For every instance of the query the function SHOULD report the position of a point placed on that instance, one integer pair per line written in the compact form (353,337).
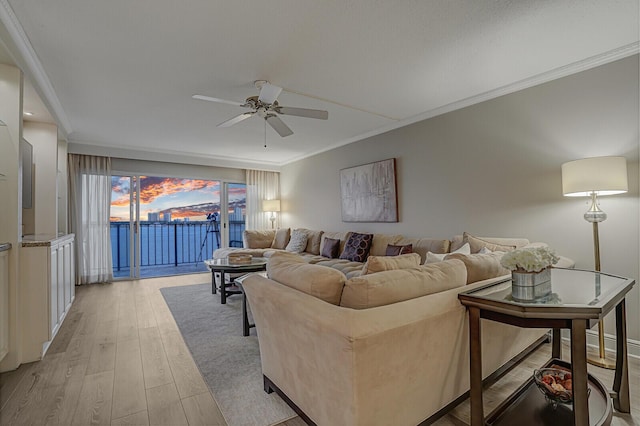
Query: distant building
(166,217)
(237,215)
(153,217)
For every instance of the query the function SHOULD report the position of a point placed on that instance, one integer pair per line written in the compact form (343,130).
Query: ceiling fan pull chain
(265,132)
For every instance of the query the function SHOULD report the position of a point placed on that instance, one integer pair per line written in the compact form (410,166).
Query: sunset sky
(159,194)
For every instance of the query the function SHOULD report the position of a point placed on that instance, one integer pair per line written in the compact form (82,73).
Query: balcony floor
(162,270)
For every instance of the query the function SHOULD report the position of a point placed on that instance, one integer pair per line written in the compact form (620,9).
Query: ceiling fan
(266,106)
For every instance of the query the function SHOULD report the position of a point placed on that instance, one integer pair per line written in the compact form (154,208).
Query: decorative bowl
(239,259)
(555,383)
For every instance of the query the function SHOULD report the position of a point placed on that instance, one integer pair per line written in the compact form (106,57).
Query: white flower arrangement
(529,259)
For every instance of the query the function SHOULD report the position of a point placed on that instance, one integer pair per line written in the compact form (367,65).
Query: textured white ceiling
(124,71)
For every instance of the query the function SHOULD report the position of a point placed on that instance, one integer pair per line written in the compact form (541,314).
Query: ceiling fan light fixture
(266,106)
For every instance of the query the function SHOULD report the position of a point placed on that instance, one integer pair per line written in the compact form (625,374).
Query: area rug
(228,361)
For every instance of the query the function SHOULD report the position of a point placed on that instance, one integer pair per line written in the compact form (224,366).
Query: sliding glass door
(235,197)
(124,229)
(166,226)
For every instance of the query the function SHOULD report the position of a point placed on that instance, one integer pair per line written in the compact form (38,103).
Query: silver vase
(529,286)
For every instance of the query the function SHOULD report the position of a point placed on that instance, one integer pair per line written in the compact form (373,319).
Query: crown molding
(30,65)
(169,156)
(564,71)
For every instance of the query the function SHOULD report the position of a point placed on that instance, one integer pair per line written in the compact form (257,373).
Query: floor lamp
(272,206)
(593,177)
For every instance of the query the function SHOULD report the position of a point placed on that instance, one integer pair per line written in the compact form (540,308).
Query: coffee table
(224,267)
(578,301)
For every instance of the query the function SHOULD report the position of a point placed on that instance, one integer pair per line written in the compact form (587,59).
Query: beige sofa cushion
(319,281)
(424,245)
(481,266)
(281,239)
(459,240)
(258,238)
(478,244)
(384,288)
(313,240)
(387,263)
(380,242)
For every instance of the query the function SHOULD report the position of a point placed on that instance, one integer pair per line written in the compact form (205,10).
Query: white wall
(493,169)
(62,186)
(10,195)
(44,138)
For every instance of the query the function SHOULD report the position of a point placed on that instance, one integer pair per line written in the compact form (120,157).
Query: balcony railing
(171,243)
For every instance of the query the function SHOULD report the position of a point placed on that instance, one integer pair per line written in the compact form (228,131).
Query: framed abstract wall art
(369,192)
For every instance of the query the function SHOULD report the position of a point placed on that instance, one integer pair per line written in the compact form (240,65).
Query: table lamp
(272,206)
(591,177)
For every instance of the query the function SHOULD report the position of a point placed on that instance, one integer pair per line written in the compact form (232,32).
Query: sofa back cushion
(313,240)
(281,238)
(380,243)
(424,245)
(480,266)
(478,242)
(258,238)
(387,263)
(384,288)
(319,281)
(439,257)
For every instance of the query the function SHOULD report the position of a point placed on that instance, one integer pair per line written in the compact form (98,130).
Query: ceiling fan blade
(304,112)
(269,93)
(236,119)
(221,101)
(278,125)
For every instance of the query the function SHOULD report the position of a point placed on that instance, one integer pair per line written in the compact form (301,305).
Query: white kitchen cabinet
(47,277)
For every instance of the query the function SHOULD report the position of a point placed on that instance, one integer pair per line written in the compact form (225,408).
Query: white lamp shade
(602,175)
(270,205)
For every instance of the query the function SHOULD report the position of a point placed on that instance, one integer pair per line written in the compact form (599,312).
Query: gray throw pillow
(298,242)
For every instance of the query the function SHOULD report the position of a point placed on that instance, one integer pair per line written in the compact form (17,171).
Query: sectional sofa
(264,243)
(380,342)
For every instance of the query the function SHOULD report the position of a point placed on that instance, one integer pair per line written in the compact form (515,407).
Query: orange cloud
(123,200)
(154,187)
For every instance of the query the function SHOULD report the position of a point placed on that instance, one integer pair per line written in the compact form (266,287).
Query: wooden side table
(578,301)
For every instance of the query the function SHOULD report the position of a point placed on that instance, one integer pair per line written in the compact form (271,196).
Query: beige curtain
(261,185)
(89,209)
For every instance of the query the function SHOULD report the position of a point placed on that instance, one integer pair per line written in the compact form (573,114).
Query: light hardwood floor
(119,359)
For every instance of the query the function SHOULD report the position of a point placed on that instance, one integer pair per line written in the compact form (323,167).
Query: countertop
(5,246)
(43,240)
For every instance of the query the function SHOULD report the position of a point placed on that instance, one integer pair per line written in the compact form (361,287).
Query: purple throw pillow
(398,250)
(357,247)
(331,248)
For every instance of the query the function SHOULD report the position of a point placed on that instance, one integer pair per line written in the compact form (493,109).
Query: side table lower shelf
(528,406)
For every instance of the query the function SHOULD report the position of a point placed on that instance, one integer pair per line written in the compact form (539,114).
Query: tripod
(213,226)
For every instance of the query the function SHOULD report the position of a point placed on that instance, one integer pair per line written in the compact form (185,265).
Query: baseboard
(633,346)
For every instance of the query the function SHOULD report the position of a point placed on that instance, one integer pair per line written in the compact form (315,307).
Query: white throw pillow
(439,257)
(297,242)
